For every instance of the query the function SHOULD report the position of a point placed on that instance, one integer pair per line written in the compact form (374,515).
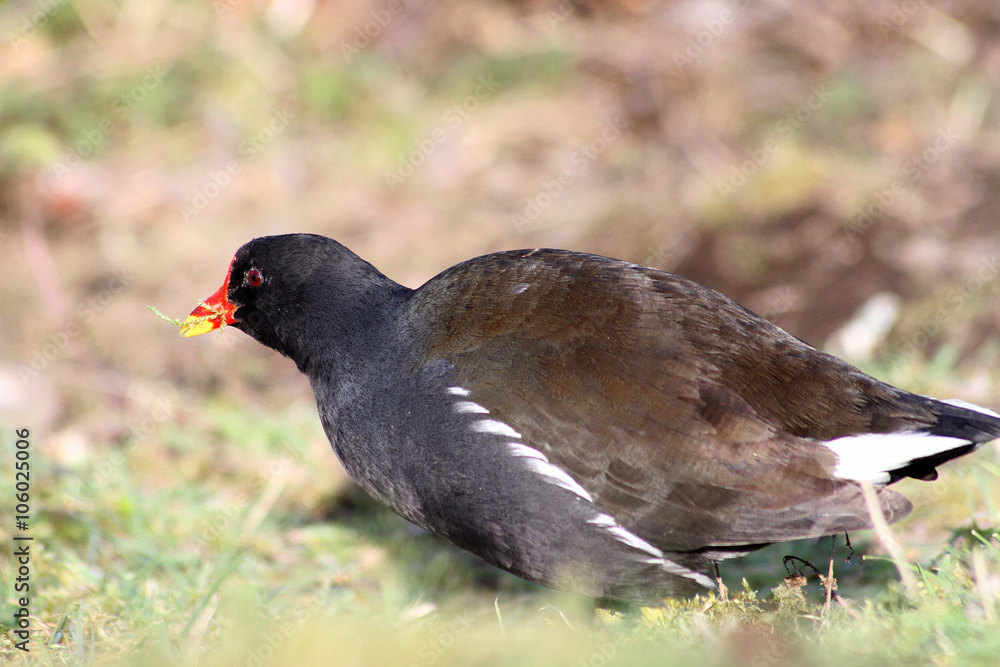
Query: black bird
(583,422)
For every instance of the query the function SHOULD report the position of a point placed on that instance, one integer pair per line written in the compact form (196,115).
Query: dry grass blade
(888,542)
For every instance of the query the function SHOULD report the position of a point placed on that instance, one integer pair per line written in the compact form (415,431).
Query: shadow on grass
(431,568)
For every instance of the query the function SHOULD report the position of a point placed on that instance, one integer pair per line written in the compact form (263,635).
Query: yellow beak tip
(195,326)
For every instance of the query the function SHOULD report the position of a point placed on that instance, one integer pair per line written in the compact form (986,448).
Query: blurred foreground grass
(258,559)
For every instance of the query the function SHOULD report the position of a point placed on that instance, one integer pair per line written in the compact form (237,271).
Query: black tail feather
(953,421)
(960,422)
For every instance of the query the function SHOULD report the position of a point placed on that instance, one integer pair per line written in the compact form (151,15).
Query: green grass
(226,542)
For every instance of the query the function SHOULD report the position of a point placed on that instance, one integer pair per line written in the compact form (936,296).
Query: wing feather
(693,422)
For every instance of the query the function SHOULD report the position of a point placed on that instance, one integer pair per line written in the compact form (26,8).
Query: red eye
(255,277)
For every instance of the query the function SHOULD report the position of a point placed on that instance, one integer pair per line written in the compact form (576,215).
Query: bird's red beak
(213,313)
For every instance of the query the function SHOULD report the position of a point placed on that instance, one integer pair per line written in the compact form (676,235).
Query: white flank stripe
(675,568)
(624,535)
(559,477)
(959,403)
(458,391)
(517,449)
(605,520)
(873,455)
(539,462)
(494,427)
(470,406)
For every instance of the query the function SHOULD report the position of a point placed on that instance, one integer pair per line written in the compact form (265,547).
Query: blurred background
(831,166)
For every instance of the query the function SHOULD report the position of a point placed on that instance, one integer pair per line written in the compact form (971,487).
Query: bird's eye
(255,277)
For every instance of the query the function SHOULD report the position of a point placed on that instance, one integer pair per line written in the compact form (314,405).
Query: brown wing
(688,419)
